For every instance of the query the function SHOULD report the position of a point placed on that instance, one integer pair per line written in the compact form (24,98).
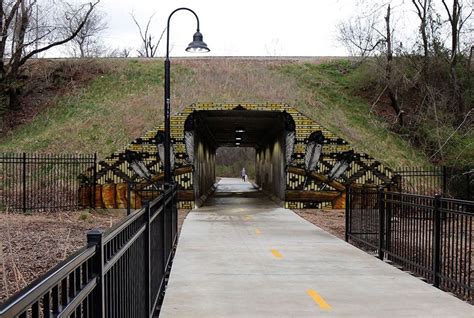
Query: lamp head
(197,45)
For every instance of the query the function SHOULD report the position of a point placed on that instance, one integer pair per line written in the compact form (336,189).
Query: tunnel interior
(262,130)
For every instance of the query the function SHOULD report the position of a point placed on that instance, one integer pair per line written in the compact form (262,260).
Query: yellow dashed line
(277,254)
(258,232)
(247,217)
(318,299)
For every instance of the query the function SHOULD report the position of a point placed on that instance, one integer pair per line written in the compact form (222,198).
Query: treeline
(31,29)
(230,161)
(422,82)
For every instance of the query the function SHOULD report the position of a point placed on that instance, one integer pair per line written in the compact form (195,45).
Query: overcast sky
(245,27)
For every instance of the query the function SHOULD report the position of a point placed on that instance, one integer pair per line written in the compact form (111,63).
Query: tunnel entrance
(297,161)
(264,131)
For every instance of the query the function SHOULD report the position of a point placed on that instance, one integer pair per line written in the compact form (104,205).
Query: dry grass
(331,221)
(126,101)
(30,245)
(230,80)
(33,244)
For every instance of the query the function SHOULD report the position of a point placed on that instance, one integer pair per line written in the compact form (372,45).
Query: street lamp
(197,46)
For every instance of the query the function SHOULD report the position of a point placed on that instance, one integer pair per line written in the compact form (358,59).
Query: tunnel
(263,130)
(298,162)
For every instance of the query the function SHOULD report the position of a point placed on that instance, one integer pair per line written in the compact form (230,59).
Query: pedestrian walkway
(243,256)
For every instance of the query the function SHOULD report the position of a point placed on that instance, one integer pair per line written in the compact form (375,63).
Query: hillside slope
(126,99)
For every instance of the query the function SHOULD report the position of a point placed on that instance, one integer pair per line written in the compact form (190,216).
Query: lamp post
(198,46)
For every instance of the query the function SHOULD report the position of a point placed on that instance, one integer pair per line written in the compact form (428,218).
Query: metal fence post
(129,198)
(164,230)
(437,241)
(94,181)
(445,181)
(148,258)
(388,217)
(381,205)
(176,214)
(95,237)
(347,214)
(24,182)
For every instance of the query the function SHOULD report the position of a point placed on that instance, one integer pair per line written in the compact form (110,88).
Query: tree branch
(63,41)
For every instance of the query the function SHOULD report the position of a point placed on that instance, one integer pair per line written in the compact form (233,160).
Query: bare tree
(119,52)
(359,35)
(391,89)
(423,8)
(87,42)
(149,44)
(456,21)
(23,37)
(125,52)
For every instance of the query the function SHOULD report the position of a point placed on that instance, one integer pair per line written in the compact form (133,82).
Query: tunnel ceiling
(221,127)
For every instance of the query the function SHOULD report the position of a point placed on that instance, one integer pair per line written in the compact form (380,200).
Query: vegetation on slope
(126,99)
(331,102)
(103,116)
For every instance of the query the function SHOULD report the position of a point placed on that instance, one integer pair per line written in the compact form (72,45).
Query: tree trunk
(14,98)
(388,72)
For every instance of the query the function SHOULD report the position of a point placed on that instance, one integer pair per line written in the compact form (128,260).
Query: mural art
(319,164)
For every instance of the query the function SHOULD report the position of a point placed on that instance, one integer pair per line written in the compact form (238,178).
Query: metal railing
(43,182)
(449,181)
(120,273)
(429,236)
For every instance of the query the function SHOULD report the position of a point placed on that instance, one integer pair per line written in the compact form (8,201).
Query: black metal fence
(429,236)
(454,182)
(43,181)
(121,273)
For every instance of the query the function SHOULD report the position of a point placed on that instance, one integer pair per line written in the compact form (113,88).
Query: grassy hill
(113,101)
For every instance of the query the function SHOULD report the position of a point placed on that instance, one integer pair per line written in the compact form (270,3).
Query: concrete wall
(270,172)
(204,167)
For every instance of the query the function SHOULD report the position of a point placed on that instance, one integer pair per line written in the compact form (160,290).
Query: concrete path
(242,256)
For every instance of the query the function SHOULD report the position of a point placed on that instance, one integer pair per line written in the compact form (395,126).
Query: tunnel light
(238,138)
(237,143)
(240,131)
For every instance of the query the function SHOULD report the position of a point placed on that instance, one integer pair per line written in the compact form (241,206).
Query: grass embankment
(126,101)
(102,117)
(332,101)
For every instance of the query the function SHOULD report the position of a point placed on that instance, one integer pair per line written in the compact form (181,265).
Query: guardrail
(120,273)
(431,237)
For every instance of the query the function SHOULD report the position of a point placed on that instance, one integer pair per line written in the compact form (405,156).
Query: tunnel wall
(270,173)
(204,168)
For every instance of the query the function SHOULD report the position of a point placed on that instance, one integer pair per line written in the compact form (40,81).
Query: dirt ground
(32,244)
(331,221)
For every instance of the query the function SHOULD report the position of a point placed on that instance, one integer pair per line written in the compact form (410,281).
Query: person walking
(243,174)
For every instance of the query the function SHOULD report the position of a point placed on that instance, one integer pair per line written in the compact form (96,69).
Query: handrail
(80,278)
(69,309)
(117,229)
(435,246)
(122,250)
(43,284)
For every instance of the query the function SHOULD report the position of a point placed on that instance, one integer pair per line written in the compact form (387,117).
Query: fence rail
(43,182)
(120,273)
(429,236)
(452,182)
